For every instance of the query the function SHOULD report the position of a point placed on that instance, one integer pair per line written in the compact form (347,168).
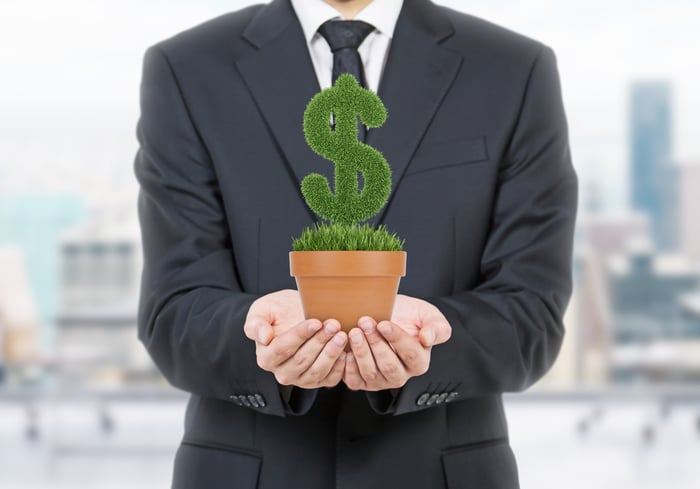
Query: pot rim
(347,263)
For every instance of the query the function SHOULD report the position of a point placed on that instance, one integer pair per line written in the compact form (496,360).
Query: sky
(71,70)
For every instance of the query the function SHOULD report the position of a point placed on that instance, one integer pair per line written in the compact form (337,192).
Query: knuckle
(303,333)
(389,368)
(314,375)
(424,366)
(263,363)
(330,354)
(248,331)
(321,337)
(282,378)
(418,369)
(370,376)
(300,360)
(281,351)
(330,380)
(374,338)
(410,357)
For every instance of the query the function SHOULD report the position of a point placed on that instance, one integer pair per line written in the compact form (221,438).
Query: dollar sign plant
(346,100)
(348,205)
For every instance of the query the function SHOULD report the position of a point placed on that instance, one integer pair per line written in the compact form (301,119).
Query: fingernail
(350,358)
(331,327)
(261,334)
(430,337)
(356,338)
(367,325)
(384,329)
(339,339)
(314,326)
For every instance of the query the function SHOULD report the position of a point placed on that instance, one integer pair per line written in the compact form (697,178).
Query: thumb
(434,331)
(258,329)
(427,335)
(264,334)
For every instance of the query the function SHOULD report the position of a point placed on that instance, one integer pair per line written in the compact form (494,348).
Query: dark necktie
(344,37)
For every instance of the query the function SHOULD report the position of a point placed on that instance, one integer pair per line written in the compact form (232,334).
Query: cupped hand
(388,354)
(420,317)
(300,352)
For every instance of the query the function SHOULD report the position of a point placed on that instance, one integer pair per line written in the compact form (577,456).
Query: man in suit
(484,194)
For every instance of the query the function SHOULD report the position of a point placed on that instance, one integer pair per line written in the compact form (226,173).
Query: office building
(653,178)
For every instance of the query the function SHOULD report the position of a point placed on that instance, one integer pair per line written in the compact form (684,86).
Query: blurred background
(81,405)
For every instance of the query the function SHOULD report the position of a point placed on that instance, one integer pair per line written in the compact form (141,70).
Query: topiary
(348,206)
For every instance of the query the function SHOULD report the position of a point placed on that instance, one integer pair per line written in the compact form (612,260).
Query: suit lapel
(282,80)
(416,78)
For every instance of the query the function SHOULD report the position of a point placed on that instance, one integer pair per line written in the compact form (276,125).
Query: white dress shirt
(382,14)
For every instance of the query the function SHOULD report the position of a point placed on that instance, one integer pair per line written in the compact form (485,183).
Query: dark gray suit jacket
(484,194)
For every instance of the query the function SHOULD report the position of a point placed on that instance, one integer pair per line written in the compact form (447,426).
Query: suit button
(441,398)
(235,400)
(452,396)
(261,400)
(244,400)
(253,400)
(423,399)
(432,400)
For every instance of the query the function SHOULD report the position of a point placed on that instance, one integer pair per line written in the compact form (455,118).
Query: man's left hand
(386,355)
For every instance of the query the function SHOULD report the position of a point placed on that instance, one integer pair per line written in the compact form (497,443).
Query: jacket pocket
(206,466)
(484,465)
(436,155)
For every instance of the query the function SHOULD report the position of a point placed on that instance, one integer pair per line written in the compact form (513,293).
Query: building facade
(653,176)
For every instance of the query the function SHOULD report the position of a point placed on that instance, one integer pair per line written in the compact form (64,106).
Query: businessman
(484,194)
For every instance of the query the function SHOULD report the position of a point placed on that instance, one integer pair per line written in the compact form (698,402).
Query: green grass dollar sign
(348,206)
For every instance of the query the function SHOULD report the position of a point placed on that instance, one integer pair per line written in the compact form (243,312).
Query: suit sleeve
(191,307)
(507,331)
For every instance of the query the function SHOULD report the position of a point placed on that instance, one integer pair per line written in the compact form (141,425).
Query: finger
(434,331)
(336,373)
(412,354)
(305,356)
(352,377)
(283,347)
(258,329)
(265,334)
(363,357)
(331,327)
(388,364)
(325,360)
(387,361)
(307,353)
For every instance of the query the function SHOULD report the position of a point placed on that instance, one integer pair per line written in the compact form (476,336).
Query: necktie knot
(344,37)
(345,34)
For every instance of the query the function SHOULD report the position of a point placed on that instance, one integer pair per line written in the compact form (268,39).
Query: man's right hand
(298,351)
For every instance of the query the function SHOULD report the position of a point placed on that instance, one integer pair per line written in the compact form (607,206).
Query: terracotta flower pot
(346,285)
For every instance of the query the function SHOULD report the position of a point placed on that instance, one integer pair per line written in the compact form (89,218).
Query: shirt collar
(382,14)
